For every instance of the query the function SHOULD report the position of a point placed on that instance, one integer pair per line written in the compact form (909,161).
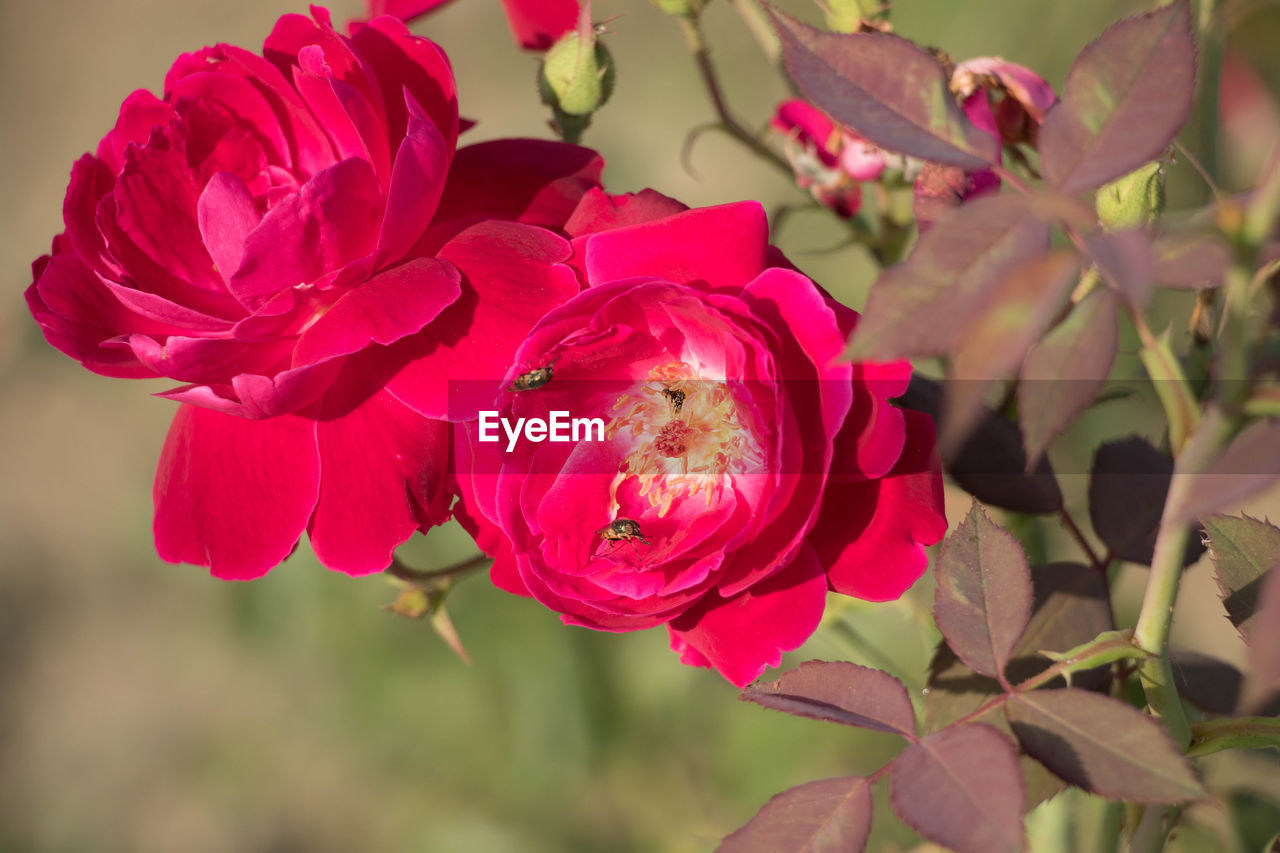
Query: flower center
(689,437)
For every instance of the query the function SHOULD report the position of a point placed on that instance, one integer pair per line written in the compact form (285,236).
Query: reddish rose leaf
(1243,550)
(826,816)
(1189,260)
(1125,260)
(1249,464)
(991,464)
(1072,605)
(839,692)
(961,788)
(983,599)
(886,89)
(1021,305)
(1264,646)
(1127,489)
(1102,745)
(920,307)
(1125,98)
(1063,373)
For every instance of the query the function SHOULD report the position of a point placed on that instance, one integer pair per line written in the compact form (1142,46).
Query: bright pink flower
(535,24)
(293,237)
(745,469)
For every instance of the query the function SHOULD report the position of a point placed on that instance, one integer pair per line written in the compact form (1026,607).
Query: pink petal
(256,396)
(155,207)
(505,574)
(214,105)
(538,24)
(1024,85)
(417,180)
(602,211)
(402,62)
(382,476)
(233,494)
(227,215)
(91,181)
(382,310)
(871,534)
(140,113)
(512,275)
(729,250)
(862,161)
(306,149)
(405,10)
(528,180)
(331,222)
(319,86)
(77,314)
(742,635)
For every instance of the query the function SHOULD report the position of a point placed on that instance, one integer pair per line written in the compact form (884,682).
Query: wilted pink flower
(743,471)
(292,236)
(829,160)
(1007,101)
(1017,96)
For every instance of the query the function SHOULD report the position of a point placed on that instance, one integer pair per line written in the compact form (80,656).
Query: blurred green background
(146,707)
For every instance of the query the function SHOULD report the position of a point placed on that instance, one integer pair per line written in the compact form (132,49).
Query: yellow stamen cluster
(687,448)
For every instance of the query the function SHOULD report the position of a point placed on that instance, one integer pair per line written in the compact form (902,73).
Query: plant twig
(411,575)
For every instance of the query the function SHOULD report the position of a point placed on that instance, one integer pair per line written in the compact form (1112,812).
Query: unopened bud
(1132,201)
(576,77)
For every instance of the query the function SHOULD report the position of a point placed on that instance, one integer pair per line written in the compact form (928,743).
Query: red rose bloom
(293,237)
(743,469)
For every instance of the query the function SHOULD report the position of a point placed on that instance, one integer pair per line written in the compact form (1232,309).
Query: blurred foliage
(145,707)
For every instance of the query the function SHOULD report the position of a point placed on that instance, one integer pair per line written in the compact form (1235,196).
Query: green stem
(1211,40)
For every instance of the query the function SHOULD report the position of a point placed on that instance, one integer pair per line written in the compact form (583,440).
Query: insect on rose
(534,379)
(623,530)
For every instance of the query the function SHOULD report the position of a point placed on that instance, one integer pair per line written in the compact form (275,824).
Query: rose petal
(233,494)
(382,476)
(332,221)
(417,180)
(512,275)
(729,249)
(528,180)
(382,310)
(538,24)
(742,635)
(602,211)
(871,534)
(227,215)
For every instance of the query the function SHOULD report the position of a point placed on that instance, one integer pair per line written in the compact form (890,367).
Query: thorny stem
(411,575)
(1215,430)
(694,38)
(1076,533)
(692,27)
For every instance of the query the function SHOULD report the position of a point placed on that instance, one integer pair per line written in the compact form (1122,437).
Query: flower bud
(576,76)
(1132,201)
